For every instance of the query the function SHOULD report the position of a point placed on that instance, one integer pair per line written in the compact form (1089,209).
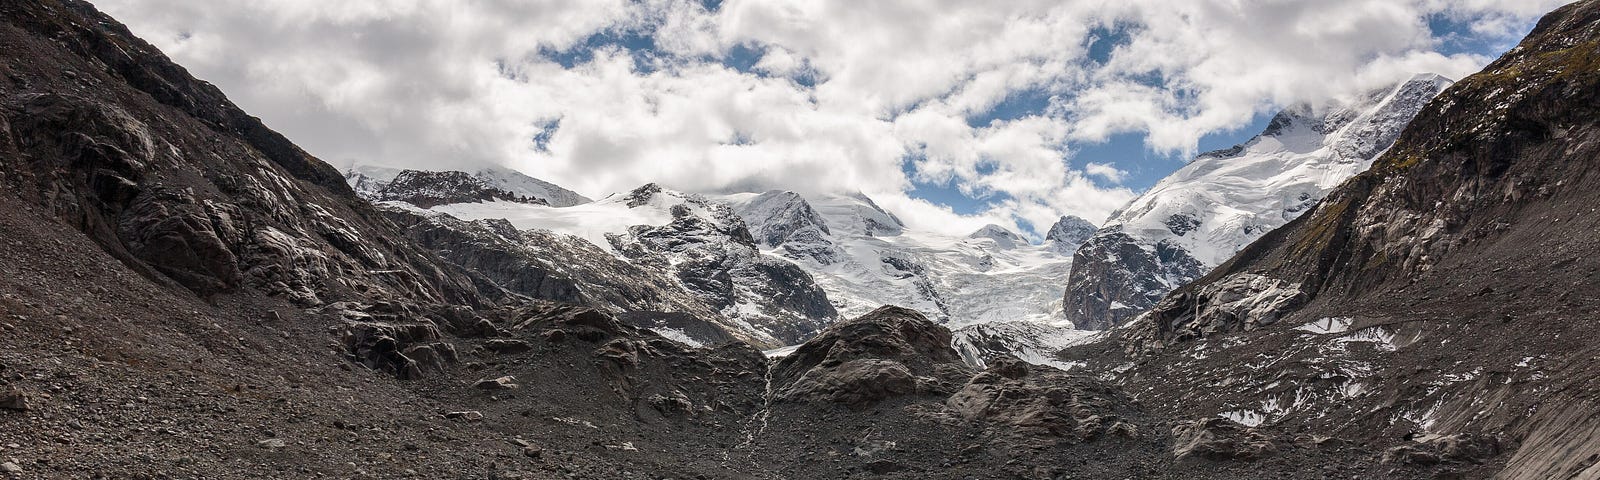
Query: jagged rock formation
(1439,306)
(1196,218)
(545,265)
(429,188)
(173,180)
(707,246)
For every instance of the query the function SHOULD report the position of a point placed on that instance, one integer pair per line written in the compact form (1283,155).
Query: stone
(10,467)
(272,443)
(12,398)
(890,352)
(502,383)
(856,383)
(1219,439)
(1435,449)
(469,415)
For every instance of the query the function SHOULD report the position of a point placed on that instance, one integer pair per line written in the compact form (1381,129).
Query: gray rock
(12,398)
(1219,439)
(502,383)
(272,443)
(888,353)
(470,415)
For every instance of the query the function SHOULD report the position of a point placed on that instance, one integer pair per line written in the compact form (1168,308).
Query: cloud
(808,95)
(1106,171)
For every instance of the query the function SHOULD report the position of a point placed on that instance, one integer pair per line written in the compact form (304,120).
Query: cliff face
(1446,293)
(171,178)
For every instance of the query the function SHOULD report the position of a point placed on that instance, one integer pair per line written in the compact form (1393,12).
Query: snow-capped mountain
(1069,233)
(771,267)
(1201,215)
(865,257)
(494,183)
(701,244)
(547,265)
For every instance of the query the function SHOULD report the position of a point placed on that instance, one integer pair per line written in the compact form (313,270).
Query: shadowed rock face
(175,181)
(1114,278)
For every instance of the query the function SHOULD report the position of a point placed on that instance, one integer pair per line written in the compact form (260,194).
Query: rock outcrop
(887,353)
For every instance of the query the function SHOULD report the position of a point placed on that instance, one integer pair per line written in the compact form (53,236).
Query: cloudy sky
(951,113)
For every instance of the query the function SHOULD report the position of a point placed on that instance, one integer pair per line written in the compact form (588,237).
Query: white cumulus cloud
(807,95)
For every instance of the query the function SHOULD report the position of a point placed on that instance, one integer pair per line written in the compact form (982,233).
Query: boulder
(12,398)
(1219,439)
(1043,404)
(500,383)
(887,353)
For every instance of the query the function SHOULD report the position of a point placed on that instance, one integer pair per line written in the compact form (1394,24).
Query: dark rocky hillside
(1440,306)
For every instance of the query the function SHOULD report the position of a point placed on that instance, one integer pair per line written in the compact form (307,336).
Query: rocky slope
(1439,306)
(1196,218)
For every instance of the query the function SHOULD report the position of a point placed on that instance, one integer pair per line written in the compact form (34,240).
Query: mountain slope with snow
(865,257)
(699,243)
(372,181)
(1199,216)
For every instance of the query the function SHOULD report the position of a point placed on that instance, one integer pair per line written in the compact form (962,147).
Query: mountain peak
(370,181)
(1005,238)
(521,184)
(1069,232)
